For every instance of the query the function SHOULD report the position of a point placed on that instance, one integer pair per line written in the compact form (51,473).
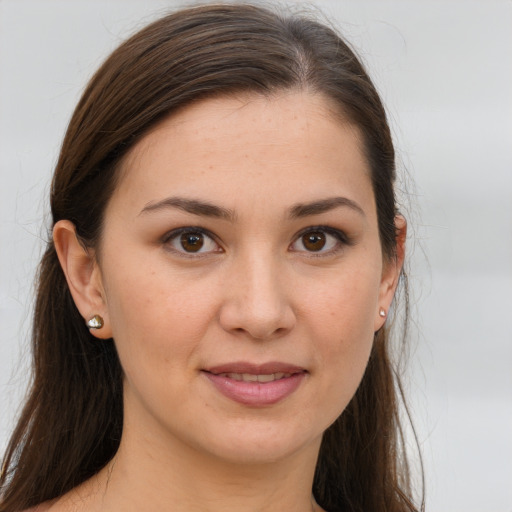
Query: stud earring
(382,312)
(95,322)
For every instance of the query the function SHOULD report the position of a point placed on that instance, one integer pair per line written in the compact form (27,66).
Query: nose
(257,299)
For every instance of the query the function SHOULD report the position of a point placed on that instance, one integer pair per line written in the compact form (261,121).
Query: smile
(256,385)
(249,377)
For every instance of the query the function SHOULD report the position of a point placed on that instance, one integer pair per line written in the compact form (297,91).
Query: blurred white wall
(444,70)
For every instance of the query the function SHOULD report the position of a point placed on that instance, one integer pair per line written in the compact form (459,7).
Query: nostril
(259,312)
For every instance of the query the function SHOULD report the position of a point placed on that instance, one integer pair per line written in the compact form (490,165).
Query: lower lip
(256,394)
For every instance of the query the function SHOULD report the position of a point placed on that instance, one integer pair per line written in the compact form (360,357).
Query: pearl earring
(95,322)
(382,312)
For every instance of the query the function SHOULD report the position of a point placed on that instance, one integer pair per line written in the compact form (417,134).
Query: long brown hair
(71,424)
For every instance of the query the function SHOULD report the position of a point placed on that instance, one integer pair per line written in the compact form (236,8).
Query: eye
(191,241)
(319,240)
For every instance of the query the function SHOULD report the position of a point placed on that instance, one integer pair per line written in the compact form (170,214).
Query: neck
(149,475)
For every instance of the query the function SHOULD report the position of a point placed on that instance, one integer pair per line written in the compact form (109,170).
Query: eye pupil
(314,241)
(192,242)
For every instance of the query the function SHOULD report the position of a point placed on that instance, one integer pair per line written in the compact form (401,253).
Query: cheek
(344,339)
(344,306)
(157,319)
(342,322)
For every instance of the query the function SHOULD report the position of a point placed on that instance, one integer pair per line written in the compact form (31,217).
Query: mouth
(256,385)
(250,377)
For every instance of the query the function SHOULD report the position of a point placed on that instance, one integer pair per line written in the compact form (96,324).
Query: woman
(210,326)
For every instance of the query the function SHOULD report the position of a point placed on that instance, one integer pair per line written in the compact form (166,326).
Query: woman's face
(242,275)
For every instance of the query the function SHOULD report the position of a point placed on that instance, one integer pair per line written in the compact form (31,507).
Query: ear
(82,275)
(391,273)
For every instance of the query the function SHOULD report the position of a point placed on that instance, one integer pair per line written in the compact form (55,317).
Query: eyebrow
(324,205)
(192,206)
(205,209)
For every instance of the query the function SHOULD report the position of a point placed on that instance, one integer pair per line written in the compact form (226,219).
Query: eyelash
(341,240)
(191,230)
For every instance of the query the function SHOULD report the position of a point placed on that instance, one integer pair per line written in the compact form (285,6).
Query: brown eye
(192,242)
(314,241)
(320,240)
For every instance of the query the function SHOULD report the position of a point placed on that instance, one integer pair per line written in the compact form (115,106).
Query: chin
(262,442)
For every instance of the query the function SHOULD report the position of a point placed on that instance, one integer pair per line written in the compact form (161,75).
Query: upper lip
(255,369)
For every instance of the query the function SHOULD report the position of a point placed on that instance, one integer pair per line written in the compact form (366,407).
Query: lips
(242,367)
(249,377)
(256,385)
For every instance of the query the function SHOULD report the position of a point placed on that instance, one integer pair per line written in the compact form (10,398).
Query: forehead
(286,147)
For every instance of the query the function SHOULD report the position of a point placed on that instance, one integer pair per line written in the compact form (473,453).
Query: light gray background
(444,71)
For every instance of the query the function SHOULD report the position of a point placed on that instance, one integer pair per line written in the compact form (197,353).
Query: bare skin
(243,229)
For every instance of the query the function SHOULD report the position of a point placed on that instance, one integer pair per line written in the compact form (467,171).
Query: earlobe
(391,273)
(82,275)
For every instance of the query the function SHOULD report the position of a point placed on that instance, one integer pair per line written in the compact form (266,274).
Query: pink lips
(256,385)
